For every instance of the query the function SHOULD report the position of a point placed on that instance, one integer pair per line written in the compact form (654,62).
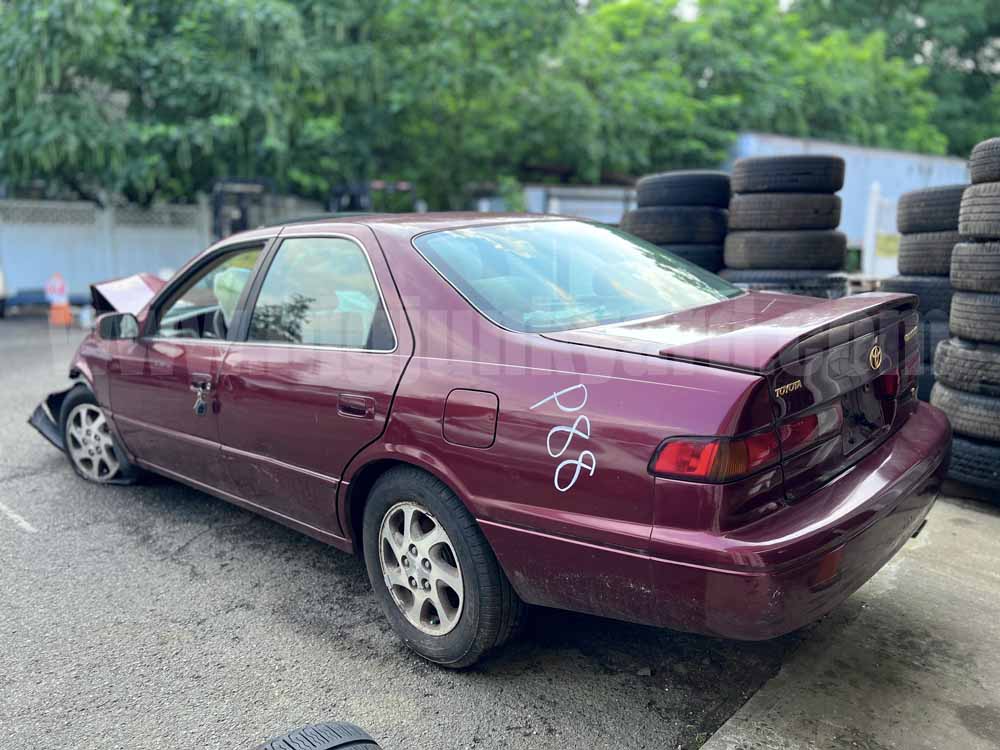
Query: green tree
(955,41)
(786,80)
(61,116)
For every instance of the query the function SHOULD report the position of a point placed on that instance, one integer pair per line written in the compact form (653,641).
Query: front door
(164,385)
(313,380)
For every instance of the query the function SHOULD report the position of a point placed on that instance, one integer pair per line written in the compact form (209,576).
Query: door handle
(359,407)
(202,387)
(201,383)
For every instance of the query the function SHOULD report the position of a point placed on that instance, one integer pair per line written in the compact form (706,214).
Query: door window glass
(204,306)
(319,291)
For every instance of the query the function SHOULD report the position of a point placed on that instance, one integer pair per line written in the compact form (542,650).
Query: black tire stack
(683,212)
(927,221)
(967,366)
(782,225)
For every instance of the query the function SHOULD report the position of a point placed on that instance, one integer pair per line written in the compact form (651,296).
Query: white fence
(86,244)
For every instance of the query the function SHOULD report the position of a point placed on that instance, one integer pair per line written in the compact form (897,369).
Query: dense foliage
(157,99)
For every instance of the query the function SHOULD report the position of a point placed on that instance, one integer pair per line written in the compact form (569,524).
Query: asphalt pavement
(158,617)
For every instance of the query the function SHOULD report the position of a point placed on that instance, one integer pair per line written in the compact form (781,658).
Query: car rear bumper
(793,567)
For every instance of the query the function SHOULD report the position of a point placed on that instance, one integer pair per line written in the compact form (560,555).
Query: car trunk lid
(840,373)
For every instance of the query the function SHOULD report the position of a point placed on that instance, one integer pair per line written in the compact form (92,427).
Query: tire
(328,736)
(934,291)
(980,214)
(975,462)
(806,283)
(708,257)
(930,210)
(975,266)
(976,316)
(92,444)
(684,188)
(927,254)
(489,611)
(984,162)
(970,414)
(3,309)
(788,174)
(820,249)
(677,225)
(784,211)
(969,366)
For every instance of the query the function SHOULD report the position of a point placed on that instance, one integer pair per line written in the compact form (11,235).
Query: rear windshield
(555,275)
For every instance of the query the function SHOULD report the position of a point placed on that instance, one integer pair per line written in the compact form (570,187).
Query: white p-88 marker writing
(569,401)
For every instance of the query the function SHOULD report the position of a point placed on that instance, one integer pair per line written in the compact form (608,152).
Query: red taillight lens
(716,459)
(687,457)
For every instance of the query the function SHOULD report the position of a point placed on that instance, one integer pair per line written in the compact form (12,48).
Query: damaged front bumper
(45,418)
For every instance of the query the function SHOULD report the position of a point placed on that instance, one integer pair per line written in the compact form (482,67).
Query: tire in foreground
(337,735)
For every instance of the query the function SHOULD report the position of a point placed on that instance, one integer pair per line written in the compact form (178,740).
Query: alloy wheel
(90,445)
(421,568)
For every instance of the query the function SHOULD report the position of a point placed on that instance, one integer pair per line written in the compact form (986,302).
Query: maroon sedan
(499,410)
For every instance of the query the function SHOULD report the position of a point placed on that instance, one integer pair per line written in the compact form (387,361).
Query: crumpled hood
(128,294)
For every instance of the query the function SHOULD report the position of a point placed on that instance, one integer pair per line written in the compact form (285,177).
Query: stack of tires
(782,221)
(927,221)
(967,366)
(683,212)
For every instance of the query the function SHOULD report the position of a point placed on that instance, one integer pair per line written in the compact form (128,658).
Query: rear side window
(320,291)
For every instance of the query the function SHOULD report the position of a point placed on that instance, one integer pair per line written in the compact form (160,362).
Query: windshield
(555,275)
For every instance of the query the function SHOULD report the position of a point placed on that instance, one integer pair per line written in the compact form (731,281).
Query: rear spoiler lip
(884,300)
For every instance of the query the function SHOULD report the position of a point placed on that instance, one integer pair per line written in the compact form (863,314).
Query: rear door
(312,377)
(163,386)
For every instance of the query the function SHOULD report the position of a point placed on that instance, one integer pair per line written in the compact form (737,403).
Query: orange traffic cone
(60,315)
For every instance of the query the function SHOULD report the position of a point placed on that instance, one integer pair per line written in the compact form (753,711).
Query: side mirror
(117,326)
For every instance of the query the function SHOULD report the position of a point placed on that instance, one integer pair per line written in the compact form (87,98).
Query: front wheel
(433,572)
(90,444)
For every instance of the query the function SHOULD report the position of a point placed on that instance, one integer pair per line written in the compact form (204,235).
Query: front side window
(557,275)
(320,291)
(203,308)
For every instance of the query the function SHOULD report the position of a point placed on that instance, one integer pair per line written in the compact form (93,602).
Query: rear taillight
(715,459)
(719,459)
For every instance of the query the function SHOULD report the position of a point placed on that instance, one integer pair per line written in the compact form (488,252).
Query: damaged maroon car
(496,411)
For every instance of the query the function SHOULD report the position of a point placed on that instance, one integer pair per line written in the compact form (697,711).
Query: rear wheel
(433,572)
(90,445)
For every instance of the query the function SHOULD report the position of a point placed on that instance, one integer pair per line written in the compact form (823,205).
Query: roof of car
(418,223)
(403,225)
